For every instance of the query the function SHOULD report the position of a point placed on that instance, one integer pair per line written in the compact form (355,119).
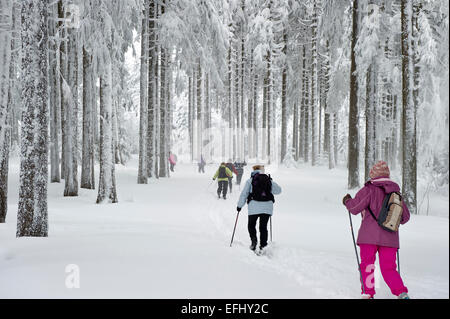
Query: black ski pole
(234,230)
(356,252)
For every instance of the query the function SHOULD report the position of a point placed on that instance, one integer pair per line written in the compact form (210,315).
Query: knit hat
(380,169)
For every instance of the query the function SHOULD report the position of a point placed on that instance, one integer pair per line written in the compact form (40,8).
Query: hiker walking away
(372,238)
(258,193)
(240,171)
(231,167)
(201,165)
(222,175)
(172,161)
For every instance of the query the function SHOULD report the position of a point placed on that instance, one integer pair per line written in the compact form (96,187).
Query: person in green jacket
(222,175)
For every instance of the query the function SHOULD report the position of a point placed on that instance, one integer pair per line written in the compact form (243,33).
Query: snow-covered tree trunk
(87,165)
(295,131)
(107,185)
(144,156)
(236,98)
(313,101)
(163,107)
(70,119)
(371,120)
(32,217)
(6,26)
(191,116)
(265,112)
(283,101)
(255,116)
(54,98)
(151,91)
(269,107)
(229,99)
(199,150)
(353,125)
(303,108)
(306,111)
(409,163)
(250,106)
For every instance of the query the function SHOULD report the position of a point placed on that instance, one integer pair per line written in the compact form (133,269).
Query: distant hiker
(231,167)
(372,238)
(222,175)
(258,193)
(172,161)
(201,165)
(240,171)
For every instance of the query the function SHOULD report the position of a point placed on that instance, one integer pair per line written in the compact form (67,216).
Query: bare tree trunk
(314,137)
(87,165)
(199,111)
(144,154)
(107,185)
(371,133)
(409,165)
(32,217)
(152,79)
(162,107)
(54,100)
(70,119)
(353,131)
(283,103)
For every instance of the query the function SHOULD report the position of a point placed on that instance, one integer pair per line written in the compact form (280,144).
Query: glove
(346,198)
(238,209)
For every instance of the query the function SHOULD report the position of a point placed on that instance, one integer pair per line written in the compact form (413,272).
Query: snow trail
(171,239)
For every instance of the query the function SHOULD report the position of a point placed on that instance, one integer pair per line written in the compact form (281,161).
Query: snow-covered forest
(95,96)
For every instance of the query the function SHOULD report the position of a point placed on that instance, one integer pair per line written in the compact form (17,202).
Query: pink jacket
(172,159)
(372,194)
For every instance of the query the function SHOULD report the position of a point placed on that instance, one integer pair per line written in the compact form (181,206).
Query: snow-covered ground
(170,239)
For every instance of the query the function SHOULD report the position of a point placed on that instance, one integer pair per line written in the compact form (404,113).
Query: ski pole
(356,252)
(234,230)
(398,258)
(270,228)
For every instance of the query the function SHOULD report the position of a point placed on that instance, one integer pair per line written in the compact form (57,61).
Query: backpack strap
(371,213)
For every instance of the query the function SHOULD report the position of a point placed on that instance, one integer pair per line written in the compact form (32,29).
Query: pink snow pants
(388,268)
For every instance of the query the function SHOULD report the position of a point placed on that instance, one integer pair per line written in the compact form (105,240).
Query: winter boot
(366,296)
(253,245)
(403,295)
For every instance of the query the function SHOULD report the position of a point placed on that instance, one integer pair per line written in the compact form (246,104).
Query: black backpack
(222,172)
(261,189)
(390,213)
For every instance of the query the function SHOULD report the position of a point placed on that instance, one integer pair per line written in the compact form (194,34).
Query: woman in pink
(172,161)
(371,237)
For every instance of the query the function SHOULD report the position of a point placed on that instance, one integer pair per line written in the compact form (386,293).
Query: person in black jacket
(240,171)
(231,167)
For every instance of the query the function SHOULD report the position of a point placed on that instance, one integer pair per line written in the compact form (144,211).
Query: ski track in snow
(171,238)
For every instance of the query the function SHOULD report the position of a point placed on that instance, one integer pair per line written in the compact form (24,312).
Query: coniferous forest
(97,95)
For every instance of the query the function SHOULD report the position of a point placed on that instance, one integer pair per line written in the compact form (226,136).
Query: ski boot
(403,295)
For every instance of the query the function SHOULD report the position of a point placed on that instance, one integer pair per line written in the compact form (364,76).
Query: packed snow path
(170,239)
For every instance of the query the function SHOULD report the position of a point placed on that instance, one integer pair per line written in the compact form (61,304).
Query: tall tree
(32,217)
(353,131)
(409,163)
(143,170)
(6,43)
(87,165)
